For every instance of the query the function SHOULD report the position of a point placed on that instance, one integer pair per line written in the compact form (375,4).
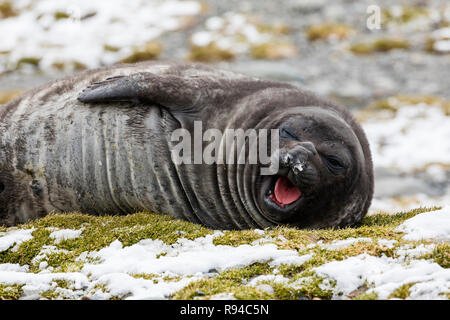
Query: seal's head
(325,176)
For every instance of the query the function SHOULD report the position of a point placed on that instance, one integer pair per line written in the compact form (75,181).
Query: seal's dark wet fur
(99,143)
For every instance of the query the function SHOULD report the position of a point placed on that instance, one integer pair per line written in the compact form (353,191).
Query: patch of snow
(267,278)
(291,260)
(339,244)
(394,142)
(267,239)
(441,33)
(185,257)
(35,283)
(386,275)
(65,234)
(414,201)
(411,251)
(114,266)
(223,296)
(13,267)
(428,225)
(442,45)
(14,237)
(214,23)
(122,284)
(259,232)
(202,38)
(387,243)
(229,30)
(265,288)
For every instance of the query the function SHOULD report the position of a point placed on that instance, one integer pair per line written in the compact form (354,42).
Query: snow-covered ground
(113,271)
(415,145)
(86,32)
(410,147)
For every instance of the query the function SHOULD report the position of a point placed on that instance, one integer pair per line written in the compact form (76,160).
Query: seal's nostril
(299,167)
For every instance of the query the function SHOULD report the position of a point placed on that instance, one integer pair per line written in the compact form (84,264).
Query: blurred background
(388,61)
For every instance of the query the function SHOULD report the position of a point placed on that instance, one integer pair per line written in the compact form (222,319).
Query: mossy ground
(388,107)
(326,31)
(7,10)
(382,44)
(99,232)
(151,50)
(210,53)
(6,96)
(404,15)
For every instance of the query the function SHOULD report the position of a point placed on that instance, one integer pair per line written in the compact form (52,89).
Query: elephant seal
(100,143)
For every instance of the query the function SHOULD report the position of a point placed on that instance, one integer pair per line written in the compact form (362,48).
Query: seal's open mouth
(284,192)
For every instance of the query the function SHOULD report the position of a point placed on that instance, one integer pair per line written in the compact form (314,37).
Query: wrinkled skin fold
(99,143)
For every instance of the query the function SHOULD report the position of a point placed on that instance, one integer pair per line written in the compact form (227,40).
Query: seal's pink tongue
(285,192)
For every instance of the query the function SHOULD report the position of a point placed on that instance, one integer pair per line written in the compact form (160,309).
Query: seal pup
(100,142)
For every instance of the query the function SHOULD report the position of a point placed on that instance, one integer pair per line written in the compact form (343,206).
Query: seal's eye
(334,162)
(2,187)
(288,133)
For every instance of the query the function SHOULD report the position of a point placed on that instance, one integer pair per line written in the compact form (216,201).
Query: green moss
(150,51)
(440,255)
(311,289)
(155,277)
(327,31)
(374,226)
(362,48)
(429,45)
(34,61)
(7,10)
(387,44)
(54,293)
(74,65)
(445,294)
(59,15)
(396,102)
(379,45)
(290,270)
(10,292)
(236,238)
(210,53)
(275,28)
(6,96)
(28,249)
(402,292)
(393,220)
(273,51)
(407,14)
(367,296)
(110,48)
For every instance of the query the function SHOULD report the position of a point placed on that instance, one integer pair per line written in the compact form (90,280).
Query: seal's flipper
(112,89)
(170,91)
